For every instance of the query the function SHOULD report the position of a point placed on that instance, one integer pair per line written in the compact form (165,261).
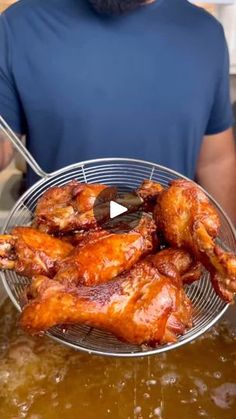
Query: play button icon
(119,211)
(116,209)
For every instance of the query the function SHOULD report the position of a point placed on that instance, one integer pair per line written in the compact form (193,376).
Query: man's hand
(6,151)
(216,170)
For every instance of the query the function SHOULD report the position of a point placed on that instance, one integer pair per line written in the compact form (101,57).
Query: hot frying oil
(40,379)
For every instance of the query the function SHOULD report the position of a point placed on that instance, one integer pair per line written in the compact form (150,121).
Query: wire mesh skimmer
(208,307)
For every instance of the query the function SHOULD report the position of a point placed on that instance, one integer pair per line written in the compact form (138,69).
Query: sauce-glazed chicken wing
(104,255)
(31,252)
(188,220)
(140,306)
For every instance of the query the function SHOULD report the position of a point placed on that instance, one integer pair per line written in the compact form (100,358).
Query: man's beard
(115,7)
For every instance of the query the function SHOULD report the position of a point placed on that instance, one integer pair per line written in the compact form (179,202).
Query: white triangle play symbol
(116,209)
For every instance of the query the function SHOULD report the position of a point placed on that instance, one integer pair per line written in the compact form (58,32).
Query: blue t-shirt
(149,84)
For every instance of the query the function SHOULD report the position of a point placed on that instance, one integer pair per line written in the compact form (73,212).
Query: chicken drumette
(103,255)
(140,306)
(187,220)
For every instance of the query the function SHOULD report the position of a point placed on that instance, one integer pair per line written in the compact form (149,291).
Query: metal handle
(21,148)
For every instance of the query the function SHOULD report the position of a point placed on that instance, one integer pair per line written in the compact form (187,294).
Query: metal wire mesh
(207,306)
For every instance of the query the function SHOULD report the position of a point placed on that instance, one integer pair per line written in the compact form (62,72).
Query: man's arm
(216,170)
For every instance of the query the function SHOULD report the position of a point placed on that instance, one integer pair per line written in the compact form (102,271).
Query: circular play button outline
(116,209)
(121,213)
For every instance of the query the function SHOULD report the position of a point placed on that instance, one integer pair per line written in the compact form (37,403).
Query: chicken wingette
(30,252)
(187,220)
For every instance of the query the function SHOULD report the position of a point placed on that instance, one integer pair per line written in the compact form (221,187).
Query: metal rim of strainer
(129,172)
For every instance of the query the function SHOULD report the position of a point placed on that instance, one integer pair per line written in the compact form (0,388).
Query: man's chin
(115,7)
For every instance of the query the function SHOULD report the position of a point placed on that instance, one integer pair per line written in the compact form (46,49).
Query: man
(120,78)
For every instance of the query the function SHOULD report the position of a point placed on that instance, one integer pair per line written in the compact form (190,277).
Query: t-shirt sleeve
(10,106)
(221,115)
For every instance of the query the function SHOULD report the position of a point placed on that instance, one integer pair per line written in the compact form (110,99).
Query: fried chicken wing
(60,208)
(98,216)
(63,209)
(30,252)
(140,306)
(103,255)
(188,220)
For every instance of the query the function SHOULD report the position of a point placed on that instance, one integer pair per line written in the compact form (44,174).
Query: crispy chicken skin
(188,220)
(103,255)
(31,252)
(141,306)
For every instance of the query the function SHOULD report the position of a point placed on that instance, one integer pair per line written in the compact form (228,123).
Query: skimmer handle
(21,148)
